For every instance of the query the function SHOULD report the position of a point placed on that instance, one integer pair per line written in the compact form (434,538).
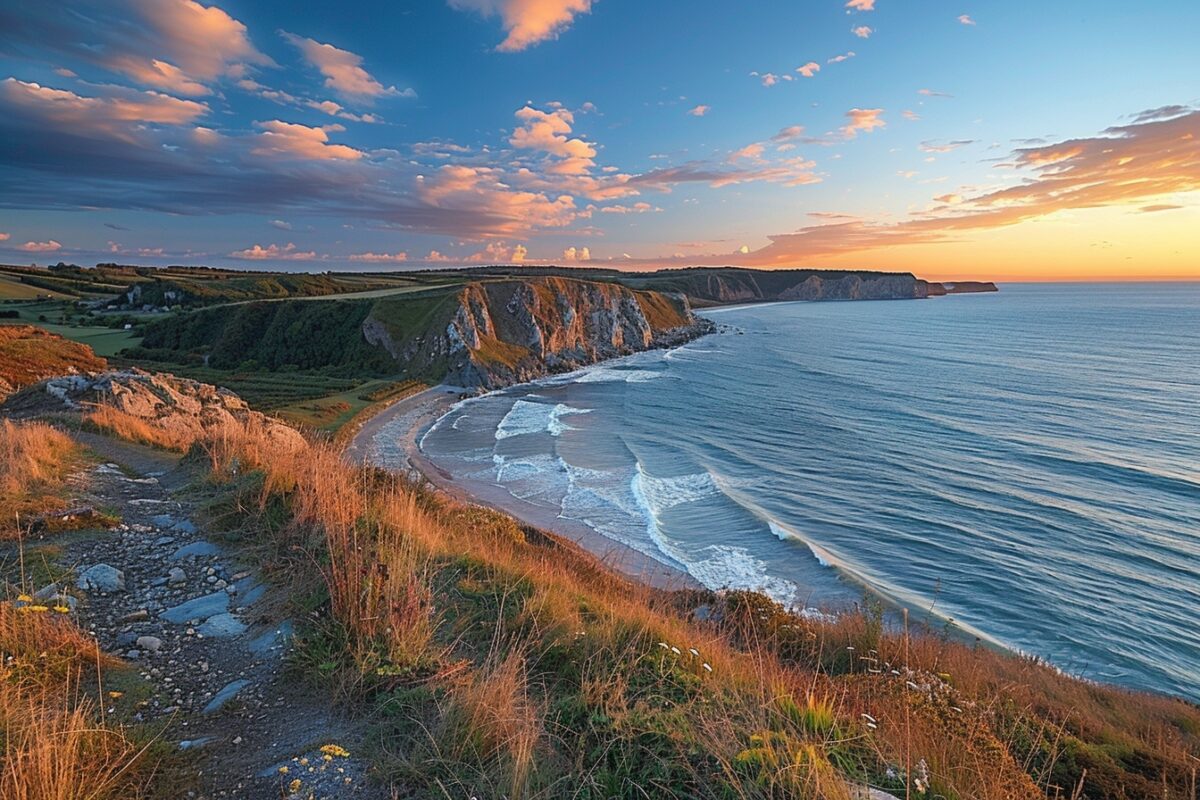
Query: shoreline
(417,413)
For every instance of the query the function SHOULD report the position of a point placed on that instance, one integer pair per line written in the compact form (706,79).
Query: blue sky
(960,138)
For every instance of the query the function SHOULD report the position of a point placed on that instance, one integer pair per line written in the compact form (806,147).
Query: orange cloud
(274,252)
(810,69)
(108,112)
(343,70)
(861,5)
(862,31)
(700,110)
(527,22)
(496,209)
(4,237)
(41,247)
(862,119)
(291,140)
(965,19)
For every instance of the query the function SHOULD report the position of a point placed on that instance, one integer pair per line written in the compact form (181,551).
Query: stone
(164,521)
(176,576)
(226,694)
(222,626)
(141,615)
(191,744)
(151,643)
(200,608)
(195,549)
(184,526)
(276,637)
(102,578)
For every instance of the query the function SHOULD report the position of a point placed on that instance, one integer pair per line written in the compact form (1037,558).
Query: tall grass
(34,462)
(509,663)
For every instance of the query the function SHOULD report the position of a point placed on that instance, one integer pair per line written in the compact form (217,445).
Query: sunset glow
(955,141)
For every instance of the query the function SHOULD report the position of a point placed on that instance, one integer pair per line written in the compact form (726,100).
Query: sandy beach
(409,419)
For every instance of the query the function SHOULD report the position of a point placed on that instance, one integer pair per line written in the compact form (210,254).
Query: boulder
(102,578)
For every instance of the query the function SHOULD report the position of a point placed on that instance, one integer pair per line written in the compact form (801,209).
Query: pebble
(176,576)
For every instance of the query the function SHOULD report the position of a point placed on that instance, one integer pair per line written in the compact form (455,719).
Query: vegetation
(34,460)
(496,661)
(29,354)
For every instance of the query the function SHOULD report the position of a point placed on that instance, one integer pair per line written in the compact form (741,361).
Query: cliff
(490,334)
(724,285)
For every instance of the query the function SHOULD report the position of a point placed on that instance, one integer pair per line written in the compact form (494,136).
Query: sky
(956,139)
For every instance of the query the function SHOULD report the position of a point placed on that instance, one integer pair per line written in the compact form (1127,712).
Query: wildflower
(24,598)
(294,786)
(663,645)
(115,695)
(327,757)
(675,650)
(706,666)
(694,652)
(38,608)
(62,609)
(956,709)
(867,717)
(283,770)
(335,750)
(304,762)
(912,685)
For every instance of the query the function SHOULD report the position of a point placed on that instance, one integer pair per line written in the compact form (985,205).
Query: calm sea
(1025,463)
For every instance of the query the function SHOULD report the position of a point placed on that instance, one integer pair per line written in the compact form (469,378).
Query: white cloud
(700,110)
(380,258)
(840,58)
(965,19)
(862,31)
(281,225)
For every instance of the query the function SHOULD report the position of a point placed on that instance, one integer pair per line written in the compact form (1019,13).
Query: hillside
(479,657)
(29,354)
(483,334)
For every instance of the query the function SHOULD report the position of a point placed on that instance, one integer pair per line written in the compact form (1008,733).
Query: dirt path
(206,640)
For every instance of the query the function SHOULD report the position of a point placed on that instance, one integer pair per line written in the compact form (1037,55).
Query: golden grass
(56,745)
(542,668)
(35,460)
(135,429)
(29,354)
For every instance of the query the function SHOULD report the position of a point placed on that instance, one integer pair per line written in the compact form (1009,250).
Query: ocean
(1025,464)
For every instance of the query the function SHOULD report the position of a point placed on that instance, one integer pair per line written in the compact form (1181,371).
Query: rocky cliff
(490,334)
(719,286)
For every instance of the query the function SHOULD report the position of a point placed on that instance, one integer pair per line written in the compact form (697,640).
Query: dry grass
(515,665)
(56,745)
(135,429)
(29,354)
(35,460)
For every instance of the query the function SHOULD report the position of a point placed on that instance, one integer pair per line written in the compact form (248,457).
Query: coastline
(416,414)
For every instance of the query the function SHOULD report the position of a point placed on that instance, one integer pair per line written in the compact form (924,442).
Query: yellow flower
(115,695)
(294,786)
(39,609)
(335,750)
(62,609)
(283,770)
(327,757)
(304,762)
(24,598)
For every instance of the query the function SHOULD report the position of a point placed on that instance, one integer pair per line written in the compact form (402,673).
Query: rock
(195,549)
(151,643)
(126,638)
(222,626)
(46,593)
(192,744)
(200,608)
(102,578)
(164,521)
(176,576)
(141,615)
(226,694)
(163,541)
(184,526)
(277,637)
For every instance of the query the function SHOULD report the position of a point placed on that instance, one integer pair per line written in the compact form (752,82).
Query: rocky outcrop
(496,333)
(29,354)
(857,287)
(183,409)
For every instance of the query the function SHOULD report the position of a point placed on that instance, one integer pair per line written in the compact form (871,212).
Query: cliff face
(735,285)
(855,287)
(495,333)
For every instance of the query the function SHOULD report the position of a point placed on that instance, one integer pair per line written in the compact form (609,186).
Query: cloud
(1161,113)
(343,71)
(931,146)
(290,140)
(810,69)
(496,209)
(273,252)
(840,58)
(700,110)
(861,5)
(281,225)
(41,247)
(864,120)
(932,93)
(582,254)
(1122,165)
(910,115)
(862,31)
(527,22)
(770,78)
(4,237)
(788,172)
(1150,209)
(636,208)
(965,19)
(752,152)
(178,46)
(380,258)
(950,199)
(110,111)
(519,253)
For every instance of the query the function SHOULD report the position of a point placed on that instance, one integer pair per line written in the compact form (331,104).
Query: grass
(492,660)
(29,354)
(35,459)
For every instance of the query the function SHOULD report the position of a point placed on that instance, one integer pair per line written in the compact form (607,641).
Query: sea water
(1026,464)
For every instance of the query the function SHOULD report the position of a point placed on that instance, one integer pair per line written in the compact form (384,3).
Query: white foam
(526,418)
(729,567)
(610,375)
(823,556)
